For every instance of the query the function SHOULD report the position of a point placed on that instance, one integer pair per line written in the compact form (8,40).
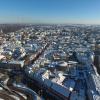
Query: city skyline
(50,11)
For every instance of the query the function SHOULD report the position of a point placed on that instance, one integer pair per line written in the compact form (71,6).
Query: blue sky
(50,11)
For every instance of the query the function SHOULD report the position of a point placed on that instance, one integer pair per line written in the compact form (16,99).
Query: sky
(50,11)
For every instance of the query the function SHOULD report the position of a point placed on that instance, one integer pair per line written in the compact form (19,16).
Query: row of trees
(11,27)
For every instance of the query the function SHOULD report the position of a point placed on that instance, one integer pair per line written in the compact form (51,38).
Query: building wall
(10,66)
(97,62)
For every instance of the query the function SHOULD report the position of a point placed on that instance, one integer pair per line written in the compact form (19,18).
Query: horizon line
(49,23)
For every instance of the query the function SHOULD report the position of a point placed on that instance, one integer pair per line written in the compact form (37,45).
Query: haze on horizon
(50,11)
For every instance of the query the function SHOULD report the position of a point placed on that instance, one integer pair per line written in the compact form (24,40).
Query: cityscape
(49,50)
(54,62)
